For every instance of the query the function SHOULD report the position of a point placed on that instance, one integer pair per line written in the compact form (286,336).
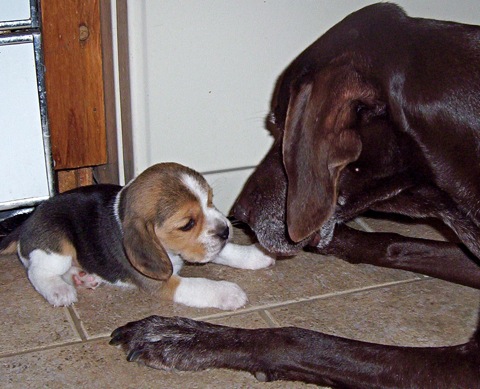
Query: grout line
(306,299)
(268,317)
(362,223)
(49,347)
(77,323)
(71,320)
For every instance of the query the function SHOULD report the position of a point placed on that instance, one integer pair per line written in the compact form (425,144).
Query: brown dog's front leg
(296,354)
(443,260)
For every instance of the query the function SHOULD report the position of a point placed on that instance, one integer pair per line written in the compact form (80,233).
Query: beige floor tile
(305,276)
(27,320)
(114,314)
(246,320)
(423,313)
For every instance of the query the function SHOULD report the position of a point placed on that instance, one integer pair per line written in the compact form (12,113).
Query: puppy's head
(168,209)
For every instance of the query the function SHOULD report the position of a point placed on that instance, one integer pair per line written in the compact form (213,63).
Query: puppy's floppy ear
(319,141)
(144,250)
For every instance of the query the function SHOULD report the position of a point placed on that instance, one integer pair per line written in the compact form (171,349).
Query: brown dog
(381,113)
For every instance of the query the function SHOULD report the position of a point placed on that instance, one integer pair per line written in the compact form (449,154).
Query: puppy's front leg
(244,257)
(204,293)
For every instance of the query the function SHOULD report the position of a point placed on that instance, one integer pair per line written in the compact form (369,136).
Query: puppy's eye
(188,226)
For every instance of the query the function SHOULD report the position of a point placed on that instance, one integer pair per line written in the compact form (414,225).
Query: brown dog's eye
(188,226)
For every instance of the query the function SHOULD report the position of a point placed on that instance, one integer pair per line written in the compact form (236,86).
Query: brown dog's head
(329,117)
(294,190)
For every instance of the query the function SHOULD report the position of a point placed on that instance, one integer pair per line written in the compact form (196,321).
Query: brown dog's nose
(241,211)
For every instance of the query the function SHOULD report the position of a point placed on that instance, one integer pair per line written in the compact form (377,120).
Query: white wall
(202,74)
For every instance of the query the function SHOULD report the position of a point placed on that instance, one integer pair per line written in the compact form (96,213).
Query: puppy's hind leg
(45,271)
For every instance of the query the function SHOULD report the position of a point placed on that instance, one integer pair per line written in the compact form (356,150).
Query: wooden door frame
(102,166)
(108,173)
(125,103)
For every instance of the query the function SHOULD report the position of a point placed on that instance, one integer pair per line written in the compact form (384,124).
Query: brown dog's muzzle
(261,204)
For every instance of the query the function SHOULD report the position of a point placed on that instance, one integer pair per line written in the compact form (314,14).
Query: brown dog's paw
(164,342)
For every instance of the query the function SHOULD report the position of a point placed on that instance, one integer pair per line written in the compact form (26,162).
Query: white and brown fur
(137,235)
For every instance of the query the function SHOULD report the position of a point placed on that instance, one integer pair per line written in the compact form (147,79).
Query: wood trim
(72,47)
(70,179)
(108,173)
(125,91)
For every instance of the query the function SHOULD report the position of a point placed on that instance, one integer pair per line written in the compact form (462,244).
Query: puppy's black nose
(224,233)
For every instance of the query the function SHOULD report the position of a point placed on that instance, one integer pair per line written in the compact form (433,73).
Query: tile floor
(42,346)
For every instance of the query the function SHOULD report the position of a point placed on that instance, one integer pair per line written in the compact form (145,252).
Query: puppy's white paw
(204,293)
(229,296)
(258,259)
(244,257)
(58,293)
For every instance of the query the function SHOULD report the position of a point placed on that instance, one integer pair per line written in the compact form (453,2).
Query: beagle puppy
(137,235)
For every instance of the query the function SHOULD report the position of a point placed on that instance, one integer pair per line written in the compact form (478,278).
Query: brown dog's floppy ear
(144,250)
(319,141)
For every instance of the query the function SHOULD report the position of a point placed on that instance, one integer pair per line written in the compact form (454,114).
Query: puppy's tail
(10,232)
